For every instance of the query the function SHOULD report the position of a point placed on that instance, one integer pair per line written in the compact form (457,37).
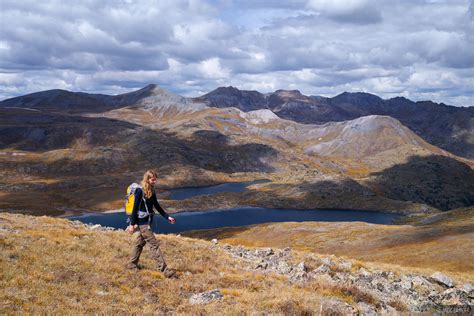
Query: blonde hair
(147,188)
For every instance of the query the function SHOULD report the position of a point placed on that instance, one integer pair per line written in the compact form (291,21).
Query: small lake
(186,193)
(241,216)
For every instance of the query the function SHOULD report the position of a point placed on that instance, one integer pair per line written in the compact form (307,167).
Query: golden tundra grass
(445,245)
(47,265)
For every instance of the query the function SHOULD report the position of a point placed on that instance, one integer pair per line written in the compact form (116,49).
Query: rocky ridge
(383,291)
(448,127)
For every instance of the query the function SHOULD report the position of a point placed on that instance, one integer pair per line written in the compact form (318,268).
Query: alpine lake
(240,216)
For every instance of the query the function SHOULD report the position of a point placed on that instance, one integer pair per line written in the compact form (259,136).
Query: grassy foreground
(51,265)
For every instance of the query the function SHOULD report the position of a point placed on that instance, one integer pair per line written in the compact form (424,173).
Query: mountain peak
(357,98)
(289,94)
(152,89)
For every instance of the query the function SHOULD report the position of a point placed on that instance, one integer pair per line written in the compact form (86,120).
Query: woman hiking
(141,223)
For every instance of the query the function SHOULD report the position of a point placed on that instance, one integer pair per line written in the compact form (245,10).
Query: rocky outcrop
(375,291)
(205,297)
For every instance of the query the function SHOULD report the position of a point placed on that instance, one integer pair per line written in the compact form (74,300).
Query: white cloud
(211,68)
(421,49)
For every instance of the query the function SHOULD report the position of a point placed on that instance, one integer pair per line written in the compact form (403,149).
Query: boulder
(328,261)
(206,297)
(405,282)
(364,273)
(95,227)
(298,273)
(283,267)
(265,252)
(322,269)
(345,266)
(442,279)
(366,309)
(334,306)
(469,289)
(451,298)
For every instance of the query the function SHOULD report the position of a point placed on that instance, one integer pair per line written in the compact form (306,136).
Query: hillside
(448,127)
(61,149)
(342,161)
(442,241)
(56,266)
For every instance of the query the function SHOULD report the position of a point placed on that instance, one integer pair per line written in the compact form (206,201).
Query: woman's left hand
(171,220)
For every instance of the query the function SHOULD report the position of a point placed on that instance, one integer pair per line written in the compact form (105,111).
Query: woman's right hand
(131,229)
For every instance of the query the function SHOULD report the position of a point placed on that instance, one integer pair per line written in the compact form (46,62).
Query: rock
(327,261)
(95,227)
(451,297)
(388,310)
(420,281)
(322,269)
(214,241)
(469,289)
(335,306)
(379,284)
(345,266)
(405,282)
(283,267)
(301,267)
(266,252)
(366,309)
(442,279)
(298,273)
(261,265)
(205,297)
(364,273)
(342,277)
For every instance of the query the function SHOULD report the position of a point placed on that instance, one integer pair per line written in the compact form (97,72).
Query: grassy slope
(51,265)
(445,244)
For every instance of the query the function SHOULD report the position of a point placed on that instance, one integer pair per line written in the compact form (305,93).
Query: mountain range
(448,127)
(78,151)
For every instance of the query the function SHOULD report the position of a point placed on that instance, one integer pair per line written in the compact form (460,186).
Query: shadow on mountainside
(439,181)
(422,185)
(81,159)
(95,146)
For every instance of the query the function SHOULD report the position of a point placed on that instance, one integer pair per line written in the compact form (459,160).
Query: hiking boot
(169,273)
(131,266)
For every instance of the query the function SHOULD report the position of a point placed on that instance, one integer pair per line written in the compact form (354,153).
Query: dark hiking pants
(143,236)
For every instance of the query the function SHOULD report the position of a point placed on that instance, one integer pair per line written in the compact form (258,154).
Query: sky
(422,50)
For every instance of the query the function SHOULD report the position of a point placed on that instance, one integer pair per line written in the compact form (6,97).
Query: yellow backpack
(130,198)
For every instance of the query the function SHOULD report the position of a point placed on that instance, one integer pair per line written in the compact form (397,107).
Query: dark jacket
(142,213)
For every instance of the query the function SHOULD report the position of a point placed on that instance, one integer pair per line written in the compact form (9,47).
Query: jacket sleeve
(158,206)
(136,206)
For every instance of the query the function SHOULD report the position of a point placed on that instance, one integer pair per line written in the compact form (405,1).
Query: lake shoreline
(242,216)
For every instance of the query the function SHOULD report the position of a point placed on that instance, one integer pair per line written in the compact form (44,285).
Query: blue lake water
(241,216)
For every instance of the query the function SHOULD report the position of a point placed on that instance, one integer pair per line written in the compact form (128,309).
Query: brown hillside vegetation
(439,242)
(53,265)
(68,156)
